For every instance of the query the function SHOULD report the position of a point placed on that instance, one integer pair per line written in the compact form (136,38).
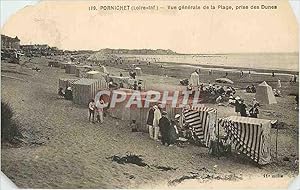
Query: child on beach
(92,110)
(133,126)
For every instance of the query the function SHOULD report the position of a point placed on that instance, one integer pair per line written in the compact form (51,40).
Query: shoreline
(233,69)
(238,62)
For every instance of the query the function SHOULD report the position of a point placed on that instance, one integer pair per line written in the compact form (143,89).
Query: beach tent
(64,82)
(202,120)
(63,65)
(54,64)
(123,80)
(85,89)
(138,71)
(70,68)
(81,70)
(139,114)
(194,79)
(264,94)
(94,75)
(250,136)
(120,111)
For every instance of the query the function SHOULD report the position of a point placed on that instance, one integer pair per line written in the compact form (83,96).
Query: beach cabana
(64,82)
(264,94)
(70,68)
(54,64)
(134,112)
(202,120)
(138,71)
(118,80)
(85,89)
(94,75)
(63,65)
(81,70)
(250,136)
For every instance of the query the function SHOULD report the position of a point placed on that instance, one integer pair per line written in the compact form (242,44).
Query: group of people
(97,107)
(241,107)
(159,125)
(251,89)
(67,93)
(294,79)
(242,74)
(137,85)
(132,74)
(215,93)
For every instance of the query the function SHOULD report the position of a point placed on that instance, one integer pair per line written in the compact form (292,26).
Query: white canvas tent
(94,75)
(138,71)
(264,94)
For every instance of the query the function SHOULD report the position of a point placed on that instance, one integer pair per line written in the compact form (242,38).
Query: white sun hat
(177,116)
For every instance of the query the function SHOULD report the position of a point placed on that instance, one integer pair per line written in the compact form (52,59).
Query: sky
(216,33)
(9,7)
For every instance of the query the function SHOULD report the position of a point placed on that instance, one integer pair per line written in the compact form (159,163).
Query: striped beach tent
(250,136)
(202,120)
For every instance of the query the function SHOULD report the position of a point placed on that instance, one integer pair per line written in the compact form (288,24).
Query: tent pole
(218,134)
(276,141)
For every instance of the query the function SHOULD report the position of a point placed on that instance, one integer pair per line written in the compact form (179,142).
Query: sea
(280,62)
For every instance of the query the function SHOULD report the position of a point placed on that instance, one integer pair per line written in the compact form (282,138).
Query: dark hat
(164,113)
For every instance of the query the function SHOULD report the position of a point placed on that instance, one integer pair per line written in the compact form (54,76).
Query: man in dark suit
(164,128)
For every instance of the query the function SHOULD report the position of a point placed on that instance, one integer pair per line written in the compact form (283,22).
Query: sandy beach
(62,149)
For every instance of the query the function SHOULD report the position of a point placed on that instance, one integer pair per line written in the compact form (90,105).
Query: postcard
(149,94)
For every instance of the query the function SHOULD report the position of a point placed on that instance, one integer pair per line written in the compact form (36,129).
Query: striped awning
(250,136)
(202,121)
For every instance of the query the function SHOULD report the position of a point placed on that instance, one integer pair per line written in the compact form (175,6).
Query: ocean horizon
(264,61)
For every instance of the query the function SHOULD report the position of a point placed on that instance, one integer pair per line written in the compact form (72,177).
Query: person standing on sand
(174,133)
(243,109)
(157,116)
(254,111)
(237,105)
(150,119)
(278,84)
(242,74)
(133,126)
(99,109)
(92,110)
(194,79)
(164,128)
(255,102)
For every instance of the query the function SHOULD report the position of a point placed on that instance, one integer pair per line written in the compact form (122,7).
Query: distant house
(9,42)
(35,47)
